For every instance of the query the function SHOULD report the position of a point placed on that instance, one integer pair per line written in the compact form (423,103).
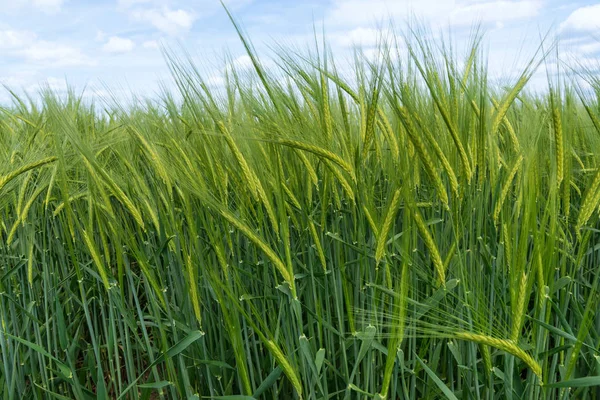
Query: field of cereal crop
(409,231)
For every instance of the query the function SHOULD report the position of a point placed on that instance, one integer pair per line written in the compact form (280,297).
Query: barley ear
(387,225)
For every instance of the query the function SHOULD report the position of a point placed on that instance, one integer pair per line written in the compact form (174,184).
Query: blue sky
(113,46)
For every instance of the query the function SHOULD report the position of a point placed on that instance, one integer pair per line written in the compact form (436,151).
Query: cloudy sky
(114,45)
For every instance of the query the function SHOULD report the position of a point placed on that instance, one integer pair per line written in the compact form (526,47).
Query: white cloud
(11,39)
(171,22)
(53,54)
(365,12)
(26,45)
(496,12)
(583,19)
(455,12)
(117,44)
(150,44)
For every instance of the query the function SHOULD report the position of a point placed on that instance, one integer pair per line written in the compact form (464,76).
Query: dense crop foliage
(408,231)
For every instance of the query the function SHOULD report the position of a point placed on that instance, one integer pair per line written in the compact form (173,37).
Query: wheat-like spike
(277,262)
(198,179)
(264,198)
(237,154)
(4,179)
(370,122)
(310,171)
(23,190)
(441,156)
(589,203)
(475,108)
(386,128)
(30,263)
(317,242)
(285,366)
(336,197)
(291,195)
(193,287)
(559,142)
(15,154)
(326,110)
(319,152)
(595,203)
(424,155)
(506,188)
(464,159)
(99,185)
(72,198)
(576,188)
(577,158)
(509,128)
(342,85)
(23,214)
(434,253)
(468,66)
(518,312)
(97,260)
(512,135)
(181,153)
(309,189)
(371,222)
(123,198)
(503,107)
(220,252)
(505,345)
(50,187)
(152,214)
(450,254)
(486,356)
(160,168)
(417,183)
(387,225)
(345,184)
(29,203)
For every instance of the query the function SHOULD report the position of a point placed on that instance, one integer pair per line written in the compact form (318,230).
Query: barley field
(411,230)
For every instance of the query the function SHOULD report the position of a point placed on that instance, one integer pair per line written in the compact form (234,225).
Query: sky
(102,47)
